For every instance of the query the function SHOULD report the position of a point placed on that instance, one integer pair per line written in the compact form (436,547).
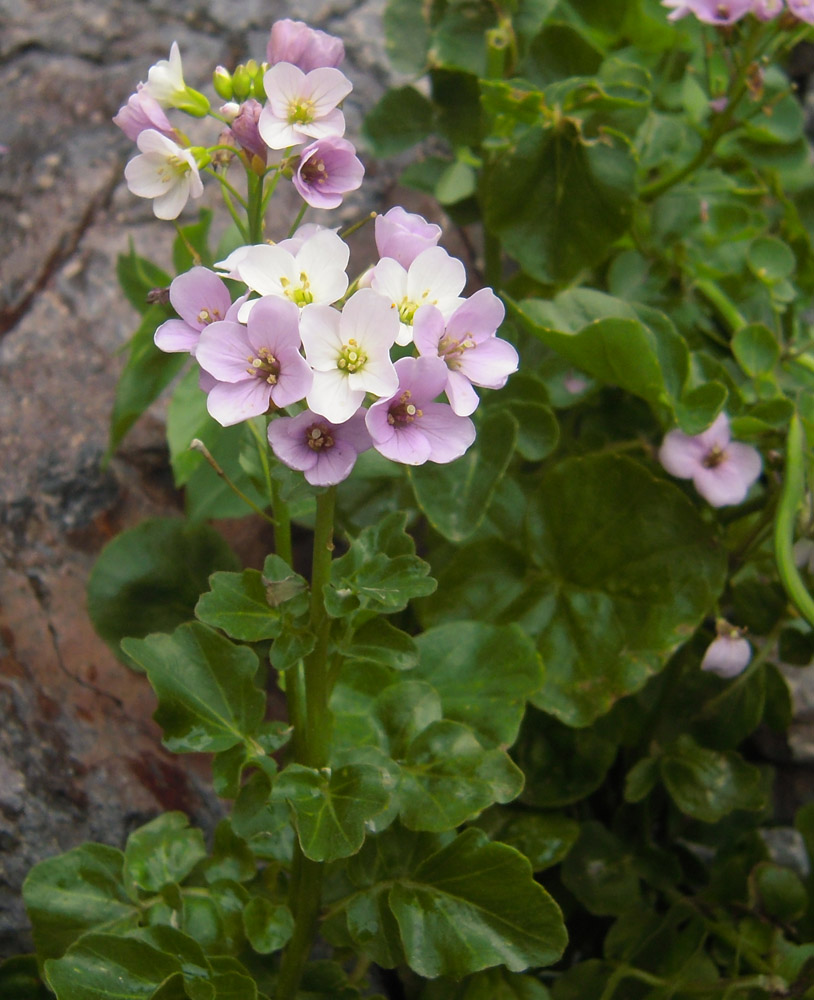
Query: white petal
(331,396)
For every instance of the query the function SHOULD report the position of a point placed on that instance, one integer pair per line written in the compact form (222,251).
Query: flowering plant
(552,727)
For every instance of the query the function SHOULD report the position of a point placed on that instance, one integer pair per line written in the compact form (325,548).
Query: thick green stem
(311,717)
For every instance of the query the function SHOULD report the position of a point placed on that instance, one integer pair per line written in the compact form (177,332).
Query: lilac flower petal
(287,438)
(448,434)
(721,485)
(232,402)
(274,324)
(429,327)
(681,454)
(200,297)
(423,377)
(727,656)
(462,397)
(745,460)
(333,465)
(403,236)
(175,335)
(294,381)
(355,431)
(489,363)
(717,435)
(408,445)
(225,352)
(478,318)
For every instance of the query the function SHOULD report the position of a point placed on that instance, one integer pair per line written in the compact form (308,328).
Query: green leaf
(492,984)
(455,497)
(400,120)
(188,418)
(544,838)
(708,785)
(20,980)
(138,276)
(770,259)
(457,182)
(557,52)
(627,570)
(649,360)
(380,571)
(641,779)
(459,39)
(562,765)
(102,966)
(557,203)
(162,852)
(207,494)
(699,406)
(377,641)
(231,858)
(251,605)
(484,675)
(756,349)
(268,925)
(407,35)
(781,894)
(196,970)
(331,808)
(450,910)
(147,579)
(601,872)
(76,892)
(264,824)
(447,778)
(207,700)
(146,372)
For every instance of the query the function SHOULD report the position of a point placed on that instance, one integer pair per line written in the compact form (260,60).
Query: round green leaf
(207,700)
(756,349)
(484,675)
(544,838)
(782,894)
(163,852)
(101,966)
(770,259)
(148,579)
(268,925)
(626,571)
(601,873)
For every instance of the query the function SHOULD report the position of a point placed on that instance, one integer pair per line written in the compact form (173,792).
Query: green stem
(790,498)
(227,187)
(311,746)
(296,224)
(255,207)
(197,445)
(731,317)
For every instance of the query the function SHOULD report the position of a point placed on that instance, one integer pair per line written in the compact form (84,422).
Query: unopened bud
(194,103)
(258,90)
(241,83)
(222,82)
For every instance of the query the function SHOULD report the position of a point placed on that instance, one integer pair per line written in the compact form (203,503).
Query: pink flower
(467,344)
(244,129)
(164,172)
(721,470)
(729,654)
(409,427)
(765,10)
(200,298)
(256,365)
(403,235)
(433,278)
(802,9)
(142,112)
(324,451)
(302,107)
(328,168)
(308,48)
(349,353)
(722,12)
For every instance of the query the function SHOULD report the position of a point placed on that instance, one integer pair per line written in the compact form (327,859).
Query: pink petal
(449,435)
(176,335)
(428,329)
(274,323)
(462,397)
(196,290)
(424,377)
(681,455)
(224,351)
(489,363)
(478,317)
(231,402)
(722,485)
(727,656)
(332,465)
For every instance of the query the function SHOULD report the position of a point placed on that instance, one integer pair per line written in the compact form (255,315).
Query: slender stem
(228,187)
(727,311)
(296,224)
(197,445)
(790,498)
(357,225)
(311,746)
(255,207)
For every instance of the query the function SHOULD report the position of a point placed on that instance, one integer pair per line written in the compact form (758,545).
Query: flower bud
(729,654)
(307,48)
(241,83)
(222,82)
(244,129)
(194,103)
(258,87)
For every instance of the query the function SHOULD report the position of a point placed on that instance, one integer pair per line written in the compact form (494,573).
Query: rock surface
(80,757)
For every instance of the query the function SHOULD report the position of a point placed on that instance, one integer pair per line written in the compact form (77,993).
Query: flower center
(714,457)
(452,350)
(318,437)
(300,295)
(207,316)
(300,112)
(351,357)
(264,366)
(314,171)
(172,168)
(407,307)
(403,412)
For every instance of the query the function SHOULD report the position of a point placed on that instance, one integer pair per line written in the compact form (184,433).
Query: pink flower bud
(294,42)
(244,129)
(403,235)
(729,654)
(142,112)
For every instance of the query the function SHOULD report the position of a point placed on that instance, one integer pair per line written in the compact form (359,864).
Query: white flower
(301,107)
(350,353)
(433,278)
(729,654)
(165,172)
(165,80)
(314,273)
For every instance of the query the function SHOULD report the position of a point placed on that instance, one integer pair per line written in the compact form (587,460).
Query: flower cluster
(726,12)
(297,337)
(290,101)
